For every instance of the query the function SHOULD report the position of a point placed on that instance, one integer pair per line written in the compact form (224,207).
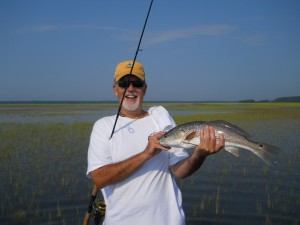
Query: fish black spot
(261,145)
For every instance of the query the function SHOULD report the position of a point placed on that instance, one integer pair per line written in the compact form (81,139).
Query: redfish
(187,135)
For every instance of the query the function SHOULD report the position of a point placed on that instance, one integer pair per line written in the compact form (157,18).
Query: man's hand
(208,142)
(153,146)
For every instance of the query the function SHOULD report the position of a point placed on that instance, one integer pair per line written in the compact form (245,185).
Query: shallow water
(70,114)
(43,164)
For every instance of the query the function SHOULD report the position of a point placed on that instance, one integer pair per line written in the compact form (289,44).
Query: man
(134,172)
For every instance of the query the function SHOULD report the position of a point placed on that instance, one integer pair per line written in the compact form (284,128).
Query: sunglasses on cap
(126,84)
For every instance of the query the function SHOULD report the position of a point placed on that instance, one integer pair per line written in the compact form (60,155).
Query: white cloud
(133,35)
(52,27)
(212,30)
(40,28)
(256,40)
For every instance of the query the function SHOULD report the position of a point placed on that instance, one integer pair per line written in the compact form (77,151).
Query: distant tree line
(281,99)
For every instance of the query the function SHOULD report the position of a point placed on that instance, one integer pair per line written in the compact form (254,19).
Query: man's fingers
(208,140)
(201,136)
(212,136)
(207,134)
(154,141)
(221,141)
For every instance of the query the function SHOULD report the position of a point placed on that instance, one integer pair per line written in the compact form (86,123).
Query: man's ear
(145,88)
(115,89)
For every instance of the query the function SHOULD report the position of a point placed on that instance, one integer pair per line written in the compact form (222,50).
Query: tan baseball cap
(124,68)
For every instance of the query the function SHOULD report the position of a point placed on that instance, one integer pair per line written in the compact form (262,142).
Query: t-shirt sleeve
(99,147)
(176,155)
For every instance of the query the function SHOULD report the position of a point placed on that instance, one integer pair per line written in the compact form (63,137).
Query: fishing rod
(130,74)
(90,207)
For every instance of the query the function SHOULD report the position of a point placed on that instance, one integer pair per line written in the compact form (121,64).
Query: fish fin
(190,136)
(195,141)
(232,126)
(189,144)
(192,143)
(233,150)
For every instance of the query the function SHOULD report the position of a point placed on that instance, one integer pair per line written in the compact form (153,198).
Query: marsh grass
(43,165)
(240,113)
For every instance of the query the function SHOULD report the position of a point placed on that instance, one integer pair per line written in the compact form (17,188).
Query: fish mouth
(166,146)
(162,143)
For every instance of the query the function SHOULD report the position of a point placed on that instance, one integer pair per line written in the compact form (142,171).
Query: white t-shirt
(150,195)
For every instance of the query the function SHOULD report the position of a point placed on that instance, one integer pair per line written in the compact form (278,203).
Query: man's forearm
(187,167)
(115,172)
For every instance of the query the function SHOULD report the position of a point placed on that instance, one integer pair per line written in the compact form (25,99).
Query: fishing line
(135,56)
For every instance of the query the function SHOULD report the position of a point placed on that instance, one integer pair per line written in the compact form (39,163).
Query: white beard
(129,106)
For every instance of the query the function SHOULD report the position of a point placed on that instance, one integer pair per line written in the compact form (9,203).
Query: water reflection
(71,114)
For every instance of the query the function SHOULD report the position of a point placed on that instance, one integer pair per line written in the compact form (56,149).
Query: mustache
(131,93)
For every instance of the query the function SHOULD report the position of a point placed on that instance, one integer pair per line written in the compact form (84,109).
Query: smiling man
(136,88)
(135,173)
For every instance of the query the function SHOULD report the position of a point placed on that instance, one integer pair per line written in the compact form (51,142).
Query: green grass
(237,112)
(41,161)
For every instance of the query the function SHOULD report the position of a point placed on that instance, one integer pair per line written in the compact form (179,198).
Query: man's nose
(130,87)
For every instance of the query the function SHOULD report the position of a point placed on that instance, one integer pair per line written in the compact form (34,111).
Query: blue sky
(193,50)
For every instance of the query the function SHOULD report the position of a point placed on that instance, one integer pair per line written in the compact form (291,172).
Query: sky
(192,50)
